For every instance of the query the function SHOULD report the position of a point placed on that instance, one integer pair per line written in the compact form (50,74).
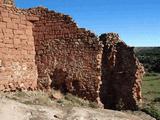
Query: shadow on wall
(121,74)
(58,80)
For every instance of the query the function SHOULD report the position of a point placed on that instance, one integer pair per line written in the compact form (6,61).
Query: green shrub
(157,99)
(150,57)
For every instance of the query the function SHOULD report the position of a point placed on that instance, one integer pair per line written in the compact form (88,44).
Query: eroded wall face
(17,51)
(121,74)
(68,58)
(1,2)
(7,2)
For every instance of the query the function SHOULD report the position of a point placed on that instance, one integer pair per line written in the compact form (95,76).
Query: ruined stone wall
(17,51)
(7,2)
(1,2)
(68,58)
(121,74)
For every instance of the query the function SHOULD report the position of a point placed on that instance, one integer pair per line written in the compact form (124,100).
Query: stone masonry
(7,2)
(42,49)
(17,52)
(121,74)
(68,58)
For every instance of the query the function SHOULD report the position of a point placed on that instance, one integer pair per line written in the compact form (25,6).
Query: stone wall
(1,2)
(7,2)
(17,51)
(68,58)
(121,74)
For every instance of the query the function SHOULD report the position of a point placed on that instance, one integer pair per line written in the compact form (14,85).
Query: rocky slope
(17,108)
(12,110)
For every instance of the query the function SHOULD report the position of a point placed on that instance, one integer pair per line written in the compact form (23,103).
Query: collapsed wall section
(68,58)
(17,51)
(121,74)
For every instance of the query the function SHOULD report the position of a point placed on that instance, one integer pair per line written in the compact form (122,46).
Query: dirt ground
(13,109)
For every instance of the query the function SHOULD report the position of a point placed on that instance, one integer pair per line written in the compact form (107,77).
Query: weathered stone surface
(68,58)
(7,2)
(17,52)
(121,74)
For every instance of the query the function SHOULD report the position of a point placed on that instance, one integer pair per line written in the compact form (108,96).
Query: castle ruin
(43,49)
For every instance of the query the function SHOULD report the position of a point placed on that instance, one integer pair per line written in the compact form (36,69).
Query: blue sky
(137,21)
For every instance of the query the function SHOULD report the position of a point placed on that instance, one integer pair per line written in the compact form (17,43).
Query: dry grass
(47,99)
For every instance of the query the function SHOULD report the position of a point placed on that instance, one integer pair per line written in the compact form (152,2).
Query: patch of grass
(151,110)
(93,105)
(75,100)
(151,94)
(150,86)
(31,98)
(20,94)
(72,100)
(43,98)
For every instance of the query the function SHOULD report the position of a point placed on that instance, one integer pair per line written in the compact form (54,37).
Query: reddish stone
(68,58)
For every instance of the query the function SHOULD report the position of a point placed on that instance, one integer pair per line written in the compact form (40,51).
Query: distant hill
(150,57)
